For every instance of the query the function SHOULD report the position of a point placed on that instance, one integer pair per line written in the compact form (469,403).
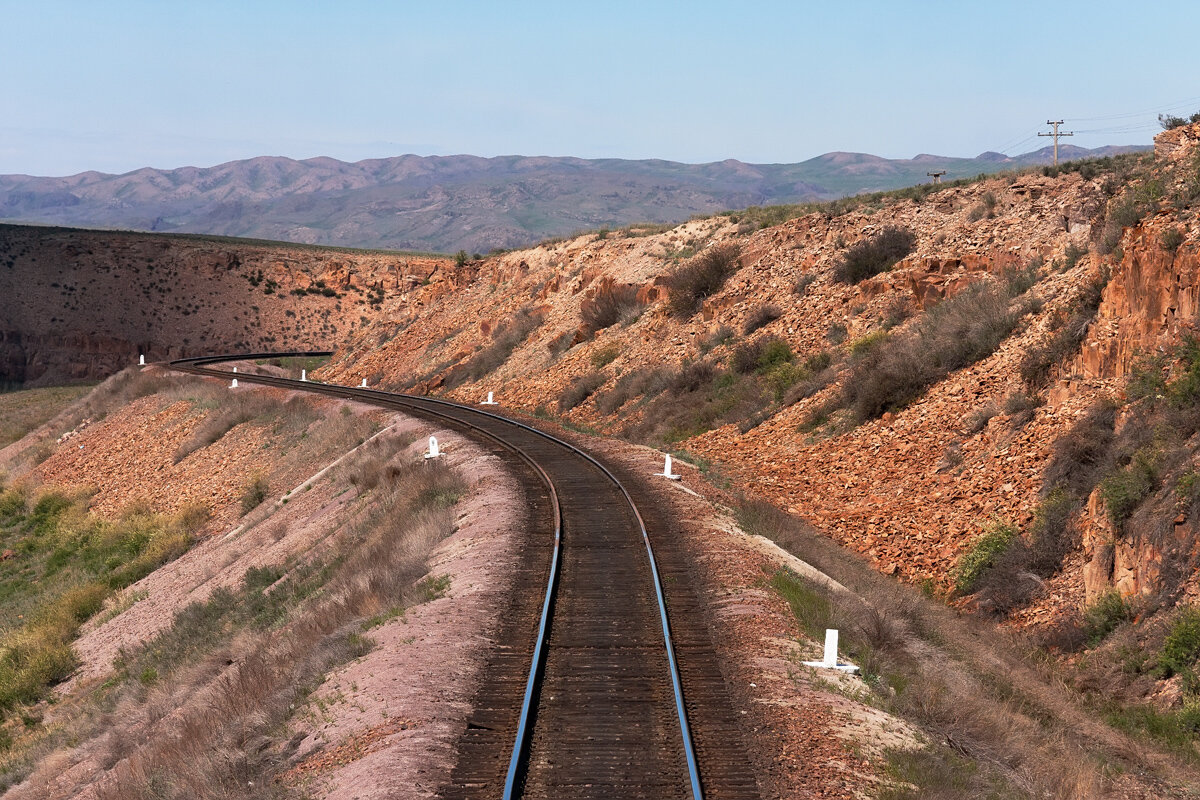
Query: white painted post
(141,360)
(364,383)
(234,384)
(830,659)
(303,374)
(831,641)
(489,401)
(666,473)
(433,451)
(235,369)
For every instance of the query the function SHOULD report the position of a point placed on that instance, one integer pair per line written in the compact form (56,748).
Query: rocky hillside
(447,203)
(80,305)
(911,412)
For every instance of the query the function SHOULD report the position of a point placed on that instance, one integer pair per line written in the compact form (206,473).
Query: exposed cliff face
(1152,299)
(78,305)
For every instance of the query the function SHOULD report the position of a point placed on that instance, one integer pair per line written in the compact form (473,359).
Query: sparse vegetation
(983,554)
(701,277)
(892,372)
(505,340)
(761,317)
(579,390)
(1069,328)
(875,255)
(611,304)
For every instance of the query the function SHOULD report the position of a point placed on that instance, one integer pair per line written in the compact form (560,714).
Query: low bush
(983,553)
(1171,239)
(1124,490)
(611,304)
(1069,329)
(1181,648)
(644,382)
(875,255)
(579,390)
(1080,456)
(760,318)
(505,340)
(802,283)
(239,408)
(254,493)
(1103,616)
(701,277)
(953,334)
(604,356)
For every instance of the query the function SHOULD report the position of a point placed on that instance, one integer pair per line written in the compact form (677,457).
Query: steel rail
(520,750)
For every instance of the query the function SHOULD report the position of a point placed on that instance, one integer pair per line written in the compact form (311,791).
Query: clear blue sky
(121,84)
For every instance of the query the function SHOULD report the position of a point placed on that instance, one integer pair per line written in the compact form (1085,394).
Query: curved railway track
(582,695)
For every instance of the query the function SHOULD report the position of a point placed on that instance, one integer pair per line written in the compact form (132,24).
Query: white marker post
(363,385)
(666,473)
(303,374)
(141,360)
(489,401)
(433,451)
(235,370)
(830,661)
(234,384)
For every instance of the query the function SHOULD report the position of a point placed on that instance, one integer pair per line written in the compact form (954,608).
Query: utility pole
(937,176)
(1056,134)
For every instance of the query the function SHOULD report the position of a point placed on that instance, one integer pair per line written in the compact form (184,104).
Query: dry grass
(998,725)
(506,339)
(200,714)
(24,410)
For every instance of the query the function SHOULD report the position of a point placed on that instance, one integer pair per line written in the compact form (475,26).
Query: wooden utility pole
(1055,133)
(937,176)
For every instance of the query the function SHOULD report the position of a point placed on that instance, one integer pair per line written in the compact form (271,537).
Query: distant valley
(447,203)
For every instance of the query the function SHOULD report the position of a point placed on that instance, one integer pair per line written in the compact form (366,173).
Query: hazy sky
(121,84)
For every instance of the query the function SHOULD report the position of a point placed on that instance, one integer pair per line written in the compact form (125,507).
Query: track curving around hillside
(582,695)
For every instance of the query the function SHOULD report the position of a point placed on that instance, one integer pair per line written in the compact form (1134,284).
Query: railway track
(583,695)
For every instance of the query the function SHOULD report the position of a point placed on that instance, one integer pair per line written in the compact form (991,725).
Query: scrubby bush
(611,304)
(875,255)
(802,283)
(1171,239)
(953,334)
(254,493)
(1181,648)
(701,277)
(505,340)
(982,554)
(760,318)
(1080,456)
(1069,331)
(579,390)
(604,356)
(1124,490)
(1103,616)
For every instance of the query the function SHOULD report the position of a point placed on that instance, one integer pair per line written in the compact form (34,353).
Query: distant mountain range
(447,203)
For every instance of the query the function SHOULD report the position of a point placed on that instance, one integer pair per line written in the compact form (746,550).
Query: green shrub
(605,355)
(875,255)
(1171,239)
(982,554)
(1103,616)
(1181,648)
(701,277)
(1123,491)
